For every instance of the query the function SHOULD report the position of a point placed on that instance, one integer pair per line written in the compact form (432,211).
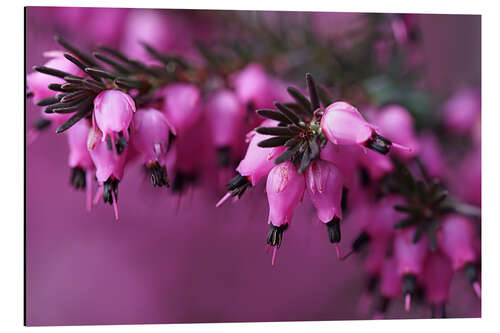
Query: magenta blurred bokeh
(174,259)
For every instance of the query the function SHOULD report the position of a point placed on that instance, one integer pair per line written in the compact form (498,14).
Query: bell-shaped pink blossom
(113,112)
(343,124)
(457,239)
(385,217)
(182,106)
(109,171)
(469,173)
(107,164)
(258,161)
(437,277)
(431,155)
(80,162)
(166,32)
(324,185)
(151,136)
(225,115)
(462,112)
(377,254)
(77,139)
(396,124)
(390,282)
(285,188)
(345,158)
(38,83)
(377,165)
(253,86)
(410,258)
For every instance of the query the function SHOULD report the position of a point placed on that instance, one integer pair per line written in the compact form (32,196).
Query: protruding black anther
(360,241)
(471,272)
(333,228)
(382,304)
(159,175)
(223,156)
(110,187)
(372,283)
(343,200)
(42,124)
(378,143)
(78,179)
(182,180)
(438,310)
(409,284)
(275,235)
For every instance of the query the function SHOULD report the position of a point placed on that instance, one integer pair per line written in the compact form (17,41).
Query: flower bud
(182,106)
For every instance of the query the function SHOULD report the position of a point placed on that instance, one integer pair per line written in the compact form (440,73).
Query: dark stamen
(78,179)
(333,228)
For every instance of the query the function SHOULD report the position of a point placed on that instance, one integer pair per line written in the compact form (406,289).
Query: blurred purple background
(160,264)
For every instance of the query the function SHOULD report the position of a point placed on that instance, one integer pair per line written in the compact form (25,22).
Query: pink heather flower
(385,216)
(343,124)
(80,161)
(285,189)
(457,239)
(390,283)
(410,258)
(343,157)
(469,173)
(77,139)
(164,31)
(376,164)
(396,124)
(225,117)
(109,172)
(38,82)
(182,106)
(113,112)
(431,155)
(462,111)
(324,184)
(258,161)
(390,286)
(437,277)
(254,87)
(151,135)
(377,254)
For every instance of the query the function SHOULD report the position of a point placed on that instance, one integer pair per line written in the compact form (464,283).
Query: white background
(12,174)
